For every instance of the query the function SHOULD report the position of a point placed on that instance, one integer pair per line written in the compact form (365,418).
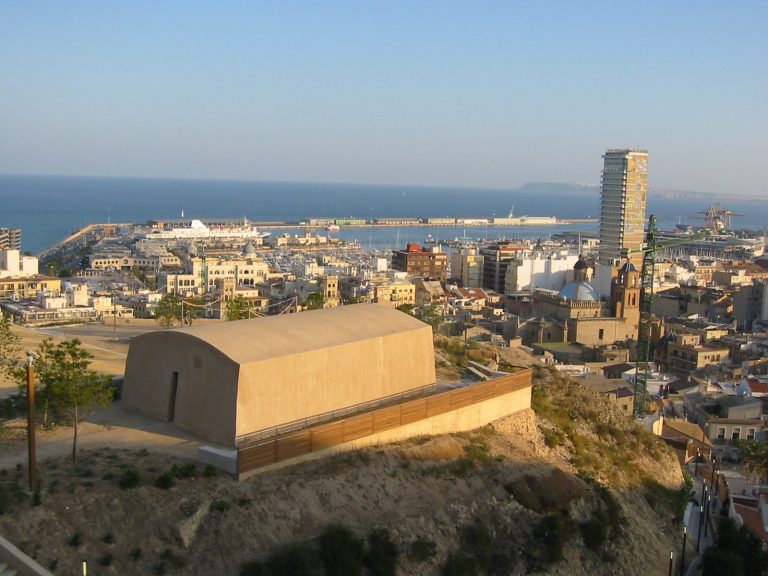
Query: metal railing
(332,415)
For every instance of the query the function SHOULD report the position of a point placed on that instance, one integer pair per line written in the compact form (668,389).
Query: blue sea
(47,209)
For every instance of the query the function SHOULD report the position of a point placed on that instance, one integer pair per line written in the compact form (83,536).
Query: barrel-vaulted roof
(258,339)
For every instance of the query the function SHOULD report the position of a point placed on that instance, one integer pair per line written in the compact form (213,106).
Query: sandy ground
(109,427)
(113,427)
(107,342)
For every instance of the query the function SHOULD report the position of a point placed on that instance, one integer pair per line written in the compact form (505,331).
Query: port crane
(718,218)
(642,355)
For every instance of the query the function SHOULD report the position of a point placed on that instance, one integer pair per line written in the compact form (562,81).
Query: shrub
(477,541)
(106,560)
(169,557)
(165,481)
(594,532)
(75,540)
(422,550)
(548,539)
(382,553)
(135,554)
(220,505)
(660,497)
(130,479)
(460,564)
(108,538)
(254,568)
(184,471)
(296,560)
(341,551)
(86,473)
(553,437)
(209,471)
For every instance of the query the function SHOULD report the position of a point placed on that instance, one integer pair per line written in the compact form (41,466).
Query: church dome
(579,292)
(249,249)
(628,267)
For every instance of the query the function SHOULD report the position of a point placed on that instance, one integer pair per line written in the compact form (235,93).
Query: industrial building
(225,382)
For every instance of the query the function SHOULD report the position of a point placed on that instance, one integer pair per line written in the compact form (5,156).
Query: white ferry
(199,230)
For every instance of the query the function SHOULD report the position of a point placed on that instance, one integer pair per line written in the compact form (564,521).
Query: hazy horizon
(485,95)
(585,186)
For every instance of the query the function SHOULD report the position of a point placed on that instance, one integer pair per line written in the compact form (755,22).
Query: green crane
(642,357)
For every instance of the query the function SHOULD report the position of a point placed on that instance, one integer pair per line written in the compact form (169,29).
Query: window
(721,433)
(750,433)
(600,333)
(735,433)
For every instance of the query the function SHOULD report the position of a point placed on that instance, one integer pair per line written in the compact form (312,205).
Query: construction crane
(647,273)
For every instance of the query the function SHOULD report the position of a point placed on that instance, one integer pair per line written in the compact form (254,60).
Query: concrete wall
(207,384)
(587,331)
(18,561)
(460,420)
(289,388)
(219,400)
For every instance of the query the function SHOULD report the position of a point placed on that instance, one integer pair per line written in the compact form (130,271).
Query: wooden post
(32,461)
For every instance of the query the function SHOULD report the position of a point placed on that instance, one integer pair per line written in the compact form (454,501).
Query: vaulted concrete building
(226,381)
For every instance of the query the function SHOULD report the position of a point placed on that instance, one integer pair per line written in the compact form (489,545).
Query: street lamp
(682,552)
(701,518)
(707,512)
(671,560)
(31,458)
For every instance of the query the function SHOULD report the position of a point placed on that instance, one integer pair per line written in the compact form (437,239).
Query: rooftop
(272,336)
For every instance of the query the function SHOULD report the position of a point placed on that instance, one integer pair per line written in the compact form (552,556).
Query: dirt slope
(509,477)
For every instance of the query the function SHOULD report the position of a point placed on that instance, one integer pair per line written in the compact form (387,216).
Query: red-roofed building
(418,261)
(758,387)
(752,516)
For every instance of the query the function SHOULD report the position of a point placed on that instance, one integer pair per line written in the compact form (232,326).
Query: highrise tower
(622,211)
(622,208)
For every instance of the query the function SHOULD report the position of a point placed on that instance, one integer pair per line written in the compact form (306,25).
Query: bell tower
(626,293)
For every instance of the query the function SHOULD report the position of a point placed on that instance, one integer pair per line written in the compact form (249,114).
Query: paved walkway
(701,533)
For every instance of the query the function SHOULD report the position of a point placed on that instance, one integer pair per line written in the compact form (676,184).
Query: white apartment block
(14,265)
(539,270)
(467,266)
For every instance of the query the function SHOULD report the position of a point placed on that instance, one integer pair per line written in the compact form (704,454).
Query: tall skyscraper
(622,211)
(622,208)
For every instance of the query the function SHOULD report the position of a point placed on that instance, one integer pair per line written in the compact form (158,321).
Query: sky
(486,94)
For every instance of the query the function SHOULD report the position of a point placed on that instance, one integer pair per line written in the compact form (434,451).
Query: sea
(49,208)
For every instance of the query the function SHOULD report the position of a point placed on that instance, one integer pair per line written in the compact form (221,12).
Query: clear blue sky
(447,93)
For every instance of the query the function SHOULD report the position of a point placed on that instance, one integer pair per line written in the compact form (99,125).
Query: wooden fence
(322,436)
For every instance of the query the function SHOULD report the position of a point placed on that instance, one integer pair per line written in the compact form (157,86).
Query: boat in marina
(198,230)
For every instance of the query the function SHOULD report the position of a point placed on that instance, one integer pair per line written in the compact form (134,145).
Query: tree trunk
(74,439)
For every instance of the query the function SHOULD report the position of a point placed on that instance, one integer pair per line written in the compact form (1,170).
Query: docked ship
(198,230)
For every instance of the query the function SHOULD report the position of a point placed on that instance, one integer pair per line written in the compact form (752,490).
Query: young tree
(68,387)
(193,309)
(754,458)
(10,348)
(432,315)
(314,301)
(238,309)
(168,310)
